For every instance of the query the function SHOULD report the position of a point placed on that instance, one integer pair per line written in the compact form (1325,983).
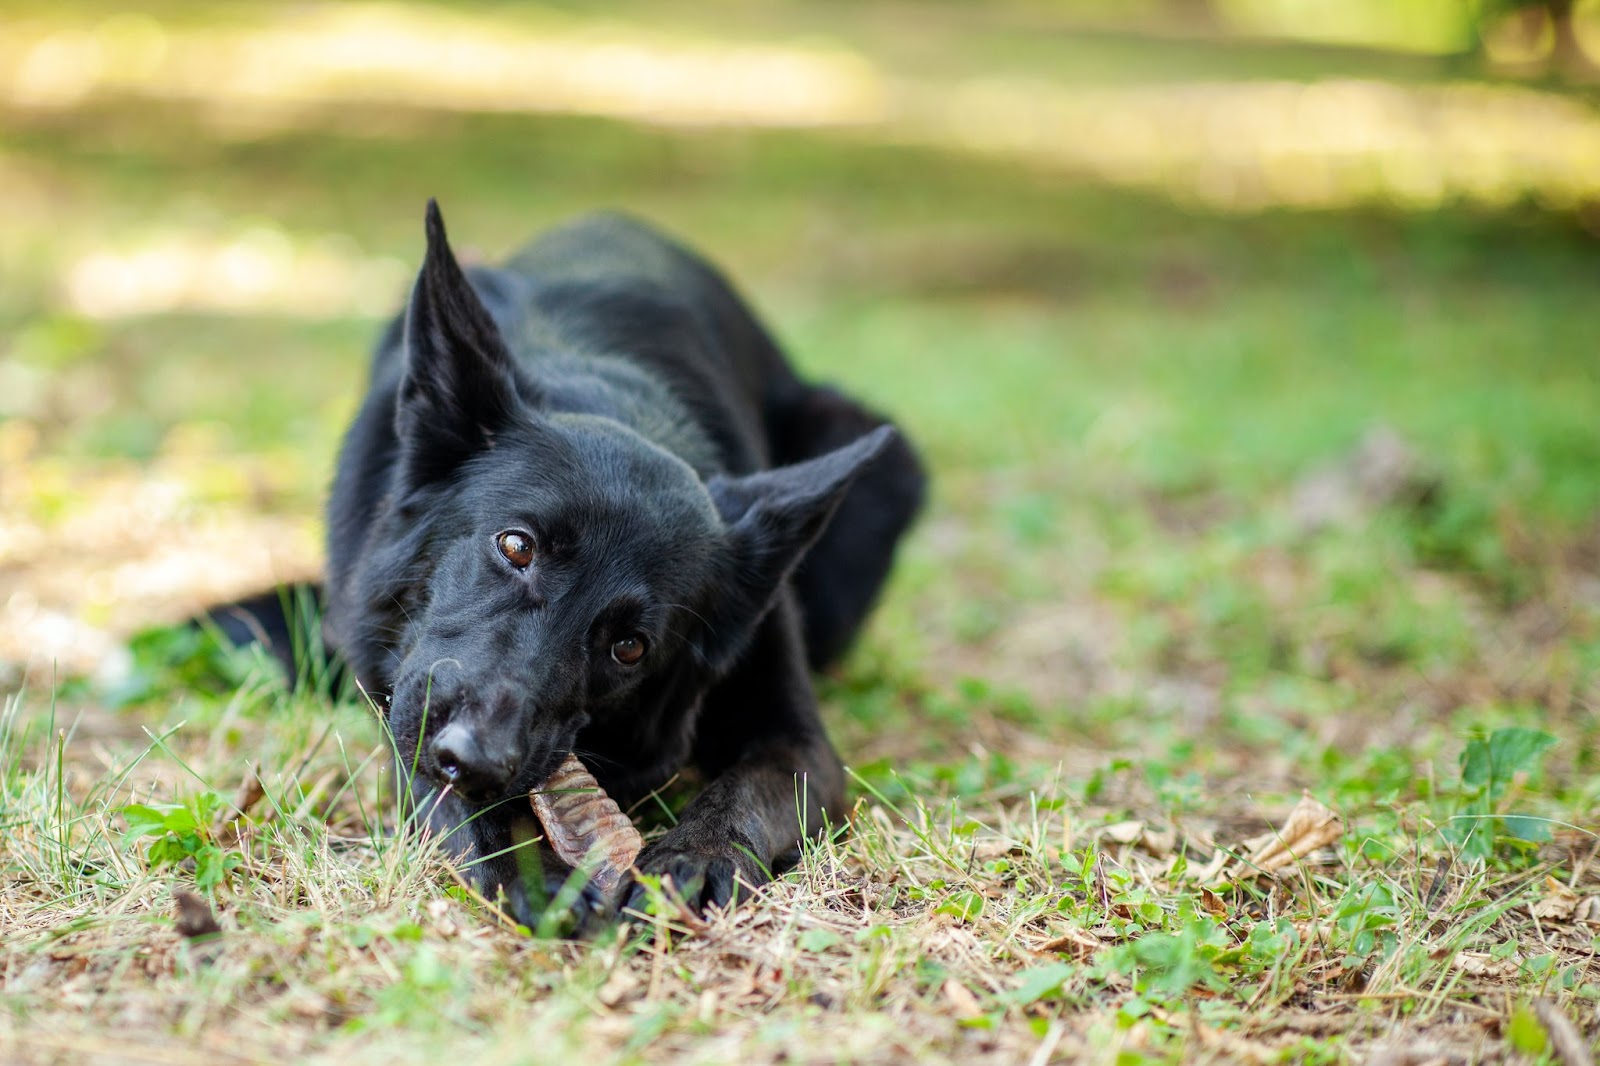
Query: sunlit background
(210,207)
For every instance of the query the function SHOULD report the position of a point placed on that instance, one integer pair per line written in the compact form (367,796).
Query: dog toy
(585,827)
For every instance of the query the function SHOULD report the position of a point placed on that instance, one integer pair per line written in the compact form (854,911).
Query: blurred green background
(1254,344)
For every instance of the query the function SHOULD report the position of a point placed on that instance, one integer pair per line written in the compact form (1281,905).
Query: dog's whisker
(401,608)
(592,758)
(694,649)
(697,614)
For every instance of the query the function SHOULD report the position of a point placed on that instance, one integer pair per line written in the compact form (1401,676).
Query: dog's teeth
(585,826)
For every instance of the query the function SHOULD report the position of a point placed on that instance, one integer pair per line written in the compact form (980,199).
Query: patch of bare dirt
(90,552)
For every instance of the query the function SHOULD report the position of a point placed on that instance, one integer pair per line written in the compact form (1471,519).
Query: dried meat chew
(585,826)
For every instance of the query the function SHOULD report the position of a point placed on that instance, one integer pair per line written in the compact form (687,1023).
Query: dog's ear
(458,388)
(772,517)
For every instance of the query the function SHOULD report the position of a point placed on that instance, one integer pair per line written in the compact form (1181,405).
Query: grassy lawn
(1232,512)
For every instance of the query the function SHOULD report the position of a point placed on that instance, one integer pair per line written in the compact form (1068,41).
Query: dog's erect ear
(458,388)
(772,517)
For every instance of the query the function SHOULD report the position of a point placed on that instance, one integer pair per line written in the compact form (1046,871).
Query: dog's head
(537,571)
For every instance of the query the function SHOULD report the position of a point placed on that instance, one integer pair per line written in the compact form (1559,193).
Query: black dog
(587,506)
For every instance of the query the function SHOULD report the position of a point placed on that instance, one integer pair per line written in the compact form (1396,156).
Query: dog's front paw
(553,902)
(698,876)
(574,905)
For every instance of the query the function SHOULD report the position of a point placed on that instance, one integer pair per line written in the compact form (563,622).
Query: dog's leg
(774,777)
(838,580)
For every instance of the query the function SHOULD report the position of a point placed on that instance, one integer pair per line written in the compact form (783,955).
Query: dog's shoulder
(639,281)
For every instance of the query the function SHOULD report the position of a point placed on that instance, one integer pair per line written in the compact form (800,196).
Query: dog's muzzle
(471,764)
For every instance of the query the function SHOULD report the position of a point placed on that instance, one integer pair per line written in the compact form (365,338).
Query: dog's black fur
(607,398)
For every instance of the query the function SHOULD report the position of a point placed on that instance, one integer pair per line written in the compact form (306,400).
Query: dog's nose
(469,767)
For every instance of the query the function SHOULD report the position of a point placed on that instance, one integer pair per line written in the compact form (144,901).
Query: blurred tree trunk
(1193,15)
(1567,51)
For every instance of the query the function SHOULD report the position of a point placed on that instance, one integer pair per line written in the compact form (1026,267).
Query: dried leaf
(1417,1054)
(706,1007)
(1438,890)
(1159,842)
(1559,904)
(1212,870)
(1121,832)
(1483,964)
(439,911)
(962,1001)
(195,919)
(1080,946)
(1310,826)
(619,986)
(1213,903)
(250,792)
(585,826)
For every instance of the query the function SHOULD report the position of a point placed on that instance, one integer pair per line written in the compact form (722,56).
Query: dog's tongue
(585,826)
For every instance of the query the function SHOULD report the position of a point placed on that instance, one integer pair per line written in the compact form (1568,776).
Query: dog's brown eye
(517,547)
(628,651)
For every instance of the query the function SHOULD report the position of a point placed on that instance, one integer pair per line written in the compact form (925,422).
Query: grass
(1226,509)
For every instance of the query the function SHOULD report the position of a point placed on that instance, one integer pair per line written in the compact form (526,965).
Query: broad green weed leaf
(1039,982)
(1523,827)
(1514,751)
(963,905)
(818,939)
(143,821)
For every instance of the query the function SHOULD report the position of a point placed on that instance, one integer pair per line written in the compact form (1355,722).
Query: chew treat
(585,826)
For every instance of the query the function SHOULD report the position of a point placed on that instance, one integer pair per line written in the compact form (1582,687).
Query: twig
(1565,1040)
(1047,1046)
(653,794)
(167,1054)
(1435,893)
(1408,996)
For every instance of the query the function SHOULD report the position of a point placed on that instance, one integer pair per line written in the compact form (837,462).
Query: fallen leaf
(1310,826)
(1159,842)
(1079,945)
(1121,832)
(1559,904)
(706,1006)
(195,919)
(1482,964)
(1213,903)
(307,1004)
(1587,912)
(617,986)
(1420,1054)
(962,1001)
(439,911)
(1212,870)
(232,821)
